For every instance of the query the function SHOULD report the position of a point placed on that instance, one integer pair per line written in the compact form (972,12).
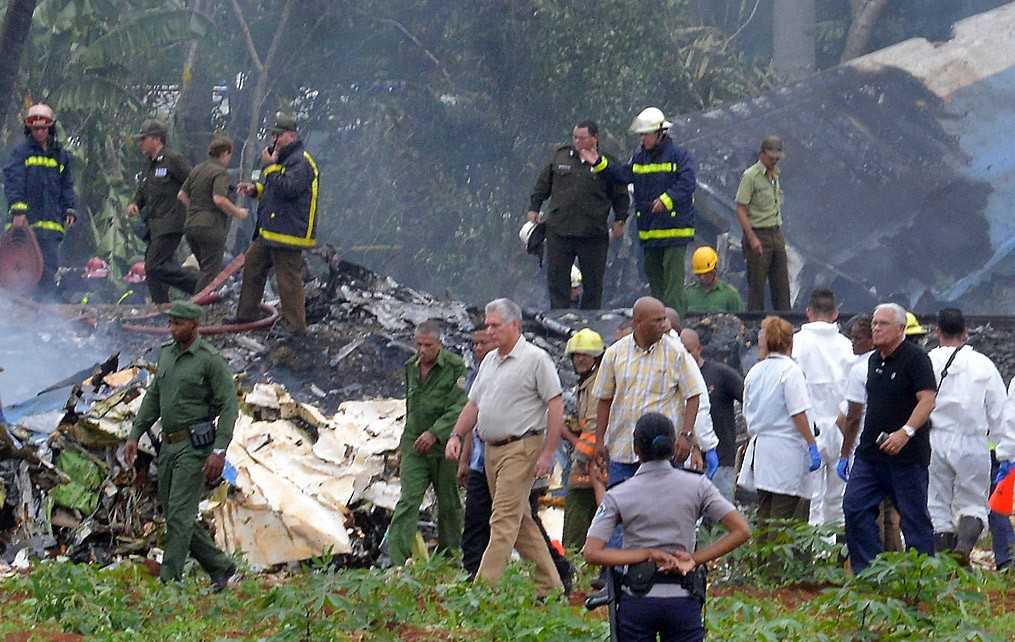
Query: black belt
(505,442)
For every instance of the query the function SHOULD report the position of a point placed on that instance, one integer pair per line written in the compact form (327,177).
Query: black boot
(970,529)
(944,542)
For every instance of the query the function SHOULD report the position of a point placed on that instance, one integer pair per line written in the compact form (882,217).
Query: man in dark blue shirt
(893,456)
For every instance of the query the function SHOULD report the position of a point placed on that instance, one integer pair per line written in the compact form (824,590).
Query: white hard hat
(651,119)
(40,113)
(525,233)
(576,276)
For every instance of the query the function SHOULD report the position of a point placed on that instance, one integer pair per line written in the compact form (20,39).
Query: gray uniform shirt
(511,392)
(659,508)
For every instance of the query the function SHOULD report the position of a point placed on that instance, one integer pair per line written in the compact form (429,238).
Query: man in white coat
(969,410)
(825,356)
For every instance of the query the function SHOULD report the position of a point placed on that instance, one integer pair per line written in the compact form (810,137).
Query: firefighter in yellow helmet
(707,293)
(40,190)
(585,483)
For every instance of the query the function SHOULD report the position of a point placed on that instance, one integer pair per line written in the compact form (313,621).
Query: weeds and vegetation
(791,587)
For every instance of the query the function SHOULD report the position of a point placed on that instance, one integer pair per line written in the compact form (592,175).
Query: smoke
(39,348)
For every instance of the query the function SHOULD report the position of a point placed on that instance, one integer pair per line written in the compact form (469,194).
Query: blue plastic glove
(812,449)
(711,463)
(842,468)
(1003,468)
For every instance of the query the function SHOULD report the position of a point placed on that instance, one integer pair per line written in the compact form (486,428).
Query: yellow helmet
(576,276)
(913,326)
(585,341)
(704,260)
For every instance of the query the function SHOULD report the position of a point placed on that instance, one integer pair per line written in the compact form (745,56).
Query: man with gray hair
(516,400)
(434,395)
(893,456)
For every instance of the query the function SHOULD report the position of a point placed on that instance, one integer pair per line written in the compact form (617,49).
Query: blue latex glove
(842,468)
(1003,468)
(812,449)
(711,463)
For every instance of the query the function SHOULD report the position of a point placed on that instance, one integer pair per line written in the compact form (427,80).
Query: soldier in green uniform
(708,293)
(209,210)
(192,386)
(163,215)
(434,395)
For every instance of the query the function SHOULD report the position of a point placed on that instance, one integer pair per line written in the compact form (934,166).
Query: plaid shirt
(658,379)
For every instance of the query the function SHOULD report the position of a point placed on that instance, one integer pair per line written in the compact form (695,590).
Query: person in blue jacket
(662,173)
(40,189)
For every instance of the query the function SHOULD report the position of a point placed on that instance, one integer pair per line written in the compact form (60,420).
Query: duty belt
(176,436)
(505,442)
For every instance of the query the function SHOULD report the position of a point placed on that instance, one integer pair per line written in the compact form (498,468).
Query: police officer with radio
(659,583)
(192,386)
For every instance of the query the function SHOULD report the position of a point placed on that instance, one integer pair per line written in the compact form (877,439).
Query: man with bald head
(673,317)
(724,386)
(646,371)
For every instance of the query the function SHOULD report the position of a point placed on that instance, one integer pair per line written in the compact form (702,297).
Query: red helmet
(136,274)
(96,268)
(40,114)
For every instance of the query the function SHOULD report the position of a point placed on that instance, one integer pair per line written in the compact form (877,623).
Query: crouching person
(661,589)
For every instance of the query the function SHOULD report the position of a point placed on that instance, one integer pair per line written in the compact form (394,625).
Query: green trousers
(181,484)
(664,267)
(417,473)
(579,509)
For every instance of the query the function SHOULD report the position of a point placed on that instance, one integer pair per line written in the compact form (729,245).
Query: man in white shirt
(825,356)
(969,408)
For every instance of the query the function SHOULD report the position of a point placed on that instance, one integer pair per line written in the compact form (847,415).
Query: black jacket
(580,200)
(288,192)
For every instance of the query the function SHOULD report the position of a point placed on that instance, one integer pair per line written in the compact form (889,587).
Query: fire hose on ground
(204,297)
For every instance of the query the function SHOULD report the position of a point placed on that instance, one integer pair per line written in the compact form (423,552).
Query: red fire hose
(204,297)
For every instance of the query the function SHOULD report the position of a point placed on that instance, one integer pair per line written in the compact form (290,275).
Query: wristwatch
(218,451)
(909,430)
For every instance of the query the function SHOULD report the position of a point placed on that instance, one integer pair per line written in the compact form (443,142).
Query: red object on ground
(1003,497)
(20,260)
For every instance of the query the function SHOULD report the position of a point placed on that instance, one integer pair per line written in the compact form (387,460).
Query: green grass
(901,597)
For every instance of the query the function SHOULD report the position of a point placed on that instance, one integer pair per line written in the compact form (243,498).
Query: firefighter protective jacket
(288,192)
(39,184)
(665,172)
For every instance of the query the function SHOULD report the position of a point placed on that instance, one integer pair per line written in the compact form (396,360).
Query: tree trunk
(193,111)
(793,23)
(17,24)
(865,16)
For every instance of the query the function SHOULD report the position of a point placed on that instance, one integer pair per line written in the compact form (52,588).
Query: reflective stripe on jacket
(39,184)
(665,172)
(288,192)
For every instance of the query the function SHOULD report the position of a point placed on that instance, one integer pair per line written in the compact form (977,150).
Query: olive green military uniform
(161,179)
(190,386)
(431,404)
(580,501)
(721,297)
(206,225)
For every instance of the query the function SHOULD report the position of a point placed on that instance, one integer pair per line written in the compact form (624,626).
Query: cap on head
(913,327)
(704,260)
(585,341)
(283,123)
(772,145)
(151,127)
(40,114)
(185,310)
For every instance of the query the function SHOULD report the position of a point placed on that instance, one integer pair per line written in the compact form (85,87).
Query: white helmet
(525,233)
(650,120)
(576,276)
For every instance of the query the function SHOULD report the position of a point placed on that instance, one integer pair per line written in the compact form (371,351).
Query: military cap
(185,310)
(772,145)
(152,127)
(283,123)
